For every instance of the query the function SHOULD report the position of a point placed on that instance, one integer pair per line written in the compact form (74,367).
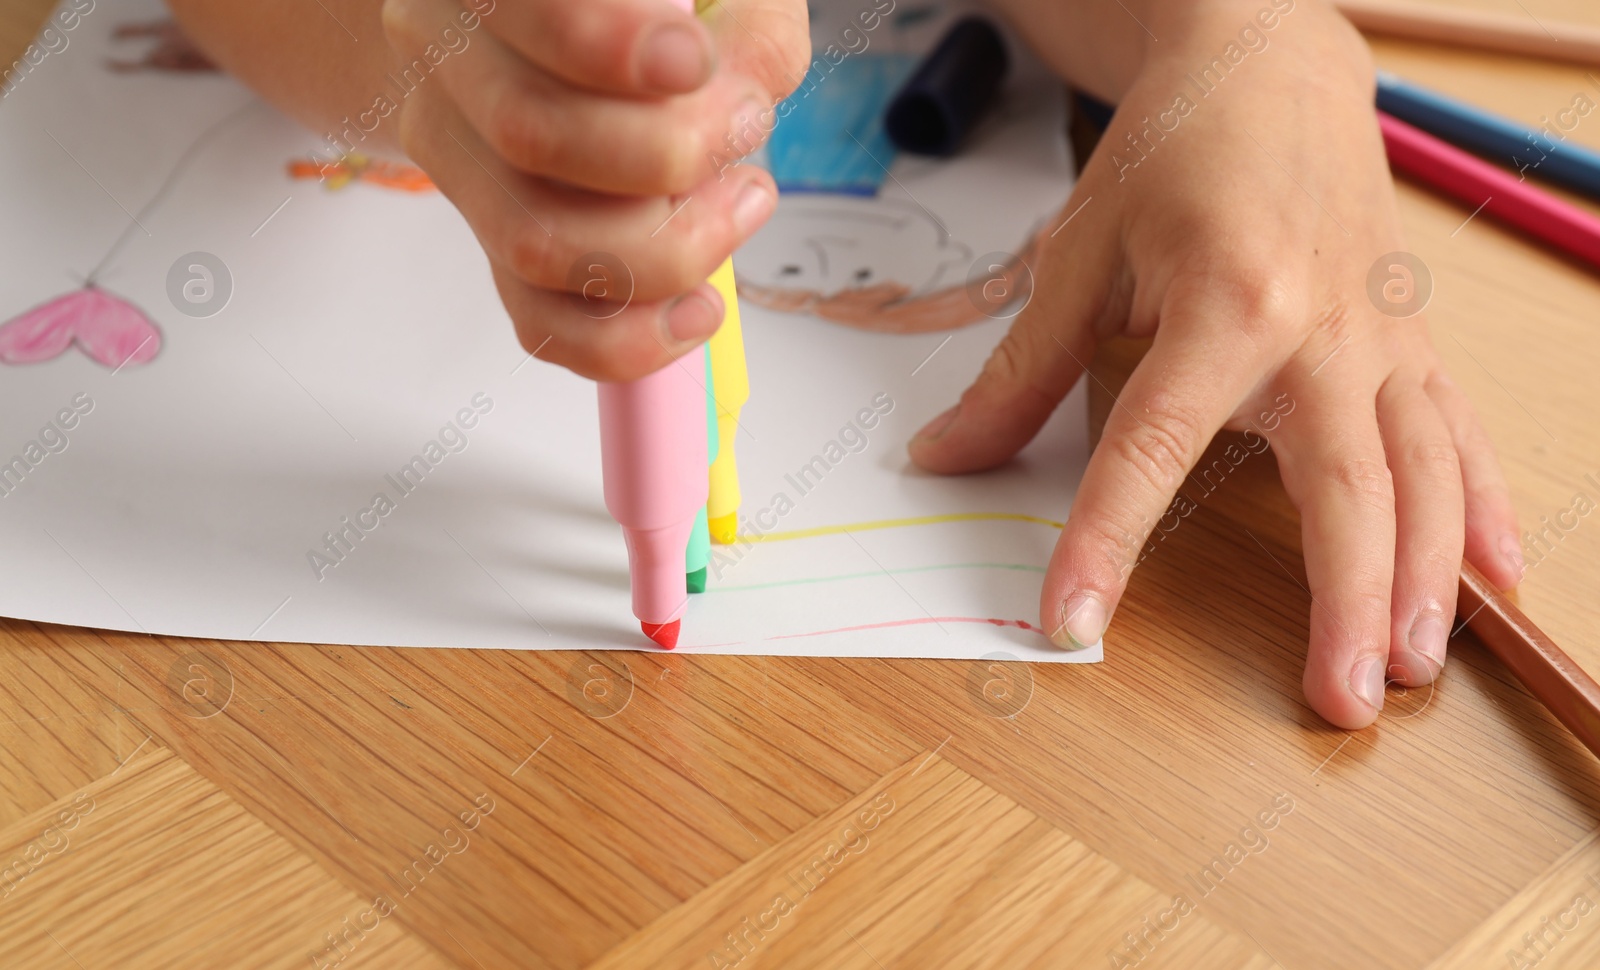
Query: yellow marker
(732,384)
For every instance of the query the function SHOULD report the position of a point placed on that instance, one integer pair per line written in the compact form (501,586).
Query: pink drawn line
(1019,624)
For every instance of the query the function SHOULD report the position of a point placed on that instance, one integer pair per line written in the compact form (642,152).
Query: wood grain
(147,865)
(1549,924)
(645,805)
(928,867)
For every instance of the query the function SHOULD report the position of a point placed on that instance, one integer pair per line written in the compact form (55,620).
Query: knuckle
(516,133)
(1436,459)
(1265,306)
(1475,438)
(1437,384)
(572,26)
(594,40)
(1260,293)
(1262,306)
(400,24)
(532,254)
(1465,425)
(1249,293)
(682,269)
(1005,364)
(1365,480)
(1331,328)
(1013,362)
(679,161)
(1163,445)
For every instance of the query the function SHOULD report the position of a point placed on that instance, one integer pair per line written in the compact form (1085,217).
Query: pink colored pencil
(1495,192)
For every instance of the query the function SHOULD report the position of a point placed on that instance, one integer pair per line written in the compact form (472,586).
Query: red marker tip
(665,634)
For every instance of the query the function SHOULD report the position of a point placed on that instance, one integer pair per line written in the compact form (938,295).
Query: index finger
(1193,378)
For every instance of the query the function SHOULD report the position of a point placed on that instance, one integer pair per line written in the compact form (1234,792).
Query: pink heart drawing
(108,329)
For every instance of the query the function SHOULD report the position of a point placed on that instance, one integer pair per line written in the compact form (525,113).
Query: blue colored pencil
(1542,153)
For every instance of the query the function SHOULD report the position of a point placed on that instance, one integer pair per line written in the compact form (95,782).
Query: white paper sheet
(192,489)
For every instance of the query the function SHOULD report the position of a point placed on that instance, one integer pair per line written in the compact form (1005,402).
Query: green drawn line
(1022,567)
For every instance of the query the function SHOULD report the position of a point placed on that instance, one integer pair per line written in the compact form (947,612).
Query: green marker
(698,556)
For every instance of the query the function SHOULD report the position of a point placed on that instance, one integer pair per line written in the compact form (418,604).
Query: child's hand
(577,138)
(1243,241)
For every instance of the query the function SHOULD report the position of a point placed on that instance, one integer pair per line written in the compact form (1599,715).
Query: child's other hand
(1243,242)
(577,138)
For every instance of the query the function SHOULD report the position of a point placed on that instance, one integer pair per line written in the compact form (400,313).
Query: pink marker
(653,455)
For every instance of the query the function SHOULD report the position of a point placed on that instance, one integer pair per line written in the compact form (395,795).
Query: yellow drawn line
(828,530)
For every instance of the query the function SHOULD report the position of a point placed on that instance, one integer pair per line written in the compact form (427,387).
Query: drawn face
(829,244)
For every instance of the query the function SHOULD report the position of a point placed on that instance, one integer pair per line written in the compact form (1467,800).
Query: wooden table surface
(181,803)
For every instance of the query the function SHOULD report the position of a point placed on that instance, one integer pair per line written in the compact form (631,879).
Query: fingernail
(1429,634)
(694,316)
(1366,681)
(1083,621)
(751,209)
(1511,552)
(938,426)
(675,58)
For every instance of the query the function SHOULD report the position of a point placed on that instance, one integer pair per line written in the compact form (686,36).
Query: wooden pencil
(1505,33)
(1542,667)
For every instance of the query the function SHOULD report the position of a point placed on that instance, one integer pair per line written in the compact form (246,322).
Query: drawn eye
(789,270)
(863,274)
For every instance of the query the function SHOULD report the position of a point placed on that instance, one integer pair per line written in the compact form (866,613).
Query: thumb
(1040,358)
